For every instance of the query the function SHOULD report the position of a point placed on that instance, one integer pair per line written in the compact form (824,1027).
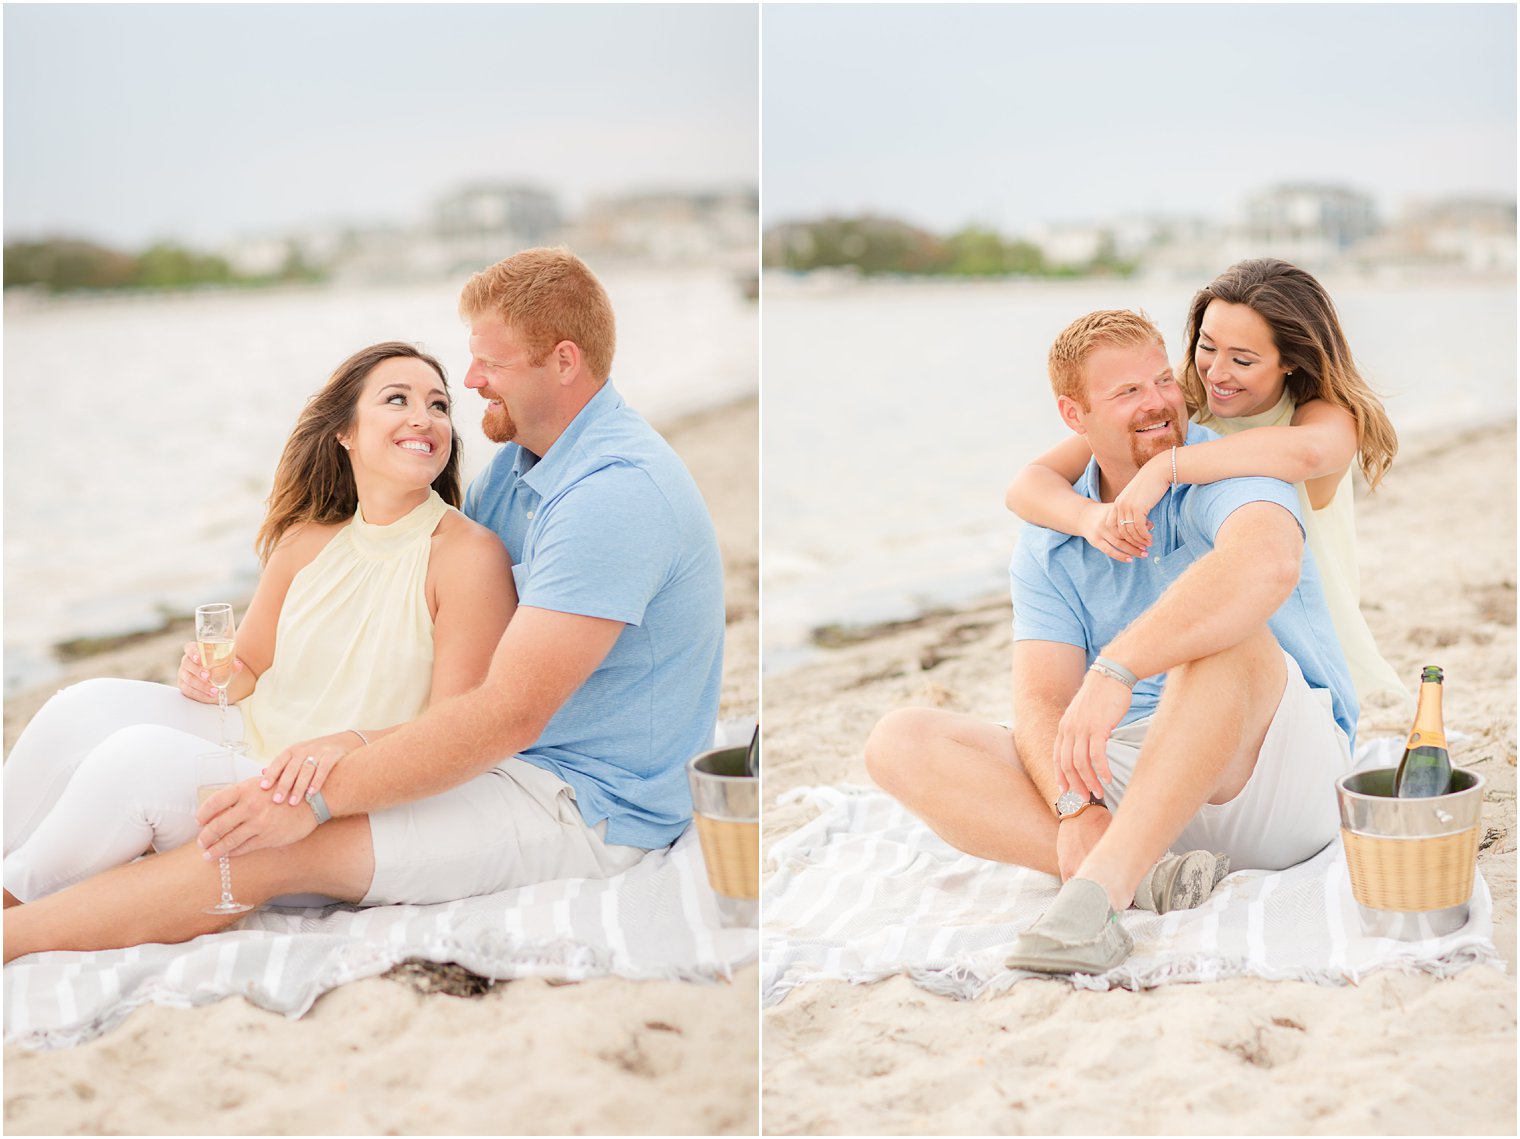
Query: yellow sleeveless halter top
(354,641)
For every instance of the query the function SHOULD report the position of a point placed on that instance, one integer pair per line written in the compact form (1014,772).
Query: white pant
(1287,811)
(104,772)
(108,769)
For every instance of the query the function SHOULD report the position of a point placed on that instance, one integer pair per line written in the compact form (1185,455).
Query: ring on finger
(1125,522)
(311,759)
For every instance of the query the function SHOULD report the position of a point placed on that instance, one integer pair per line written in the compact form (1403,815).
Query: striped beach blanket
(866,891)
(657,920)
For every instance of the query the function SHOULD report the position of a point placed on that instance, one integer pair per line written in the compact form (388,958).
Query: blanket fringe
(965,981)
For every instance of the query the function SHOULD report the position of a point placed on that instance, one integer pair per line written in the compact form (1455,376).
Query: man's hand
(1081,751)
(242,818)
(1075,837)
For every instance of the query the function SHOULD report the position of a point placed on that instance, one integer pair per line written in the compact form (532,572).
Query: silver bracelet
(1174,472)
(1112,669)
(361,735)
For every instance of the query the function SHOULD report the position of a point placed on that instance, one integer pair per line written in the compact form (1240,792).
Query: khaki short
(1287,810)
(515,825)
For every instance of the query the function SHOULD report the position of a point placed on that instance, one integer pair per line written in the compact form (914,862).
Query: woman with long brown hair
(377,597)
(1268,368)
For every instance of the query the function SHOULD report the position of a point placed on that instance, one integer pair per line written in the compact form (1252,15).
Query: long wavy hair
(1308,335)
(314,481)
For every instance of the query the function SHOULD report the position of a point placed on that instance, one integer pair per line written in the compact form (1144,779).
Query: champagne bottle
(1425,769)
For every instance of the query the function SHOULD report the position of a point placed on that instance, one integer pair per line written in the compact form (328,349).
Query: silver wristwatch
(1073,802)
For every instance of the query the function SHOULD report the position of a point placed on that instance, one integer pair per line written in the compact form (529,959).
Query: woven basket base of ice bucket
(1411,874)
(731,850)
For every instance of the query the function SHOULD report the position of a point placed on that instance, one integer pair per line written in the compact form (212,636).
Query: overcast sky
(1014,115)
(127,123)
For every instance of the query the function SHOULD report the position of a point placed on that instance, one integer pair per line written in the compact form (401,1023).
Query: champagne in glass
(216,770)
(214,630)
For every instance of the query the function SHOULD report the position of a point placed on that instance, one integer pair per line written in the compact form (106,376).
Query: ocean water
(141,433)
(895,414)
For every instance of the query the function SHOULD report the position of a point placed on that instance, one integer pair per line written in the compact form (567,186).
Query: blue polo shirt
(1065,590)
(608,523)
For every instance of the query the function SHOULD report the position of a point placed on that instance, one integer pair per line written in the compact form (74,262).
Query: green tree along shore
(875,245)
(64,264)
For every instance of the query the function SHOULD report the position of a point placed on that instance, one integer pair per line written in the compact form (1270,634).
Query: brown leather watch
(1072,803)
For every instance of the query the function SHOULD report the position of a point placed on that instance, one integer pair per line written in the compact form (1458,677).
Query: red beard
(497,425)
(1145,447)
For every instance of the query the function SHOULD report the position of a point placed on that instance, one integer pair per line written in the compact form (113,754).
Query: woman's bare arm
(474,597)
(1315,449)
(256,631)
(1042,493)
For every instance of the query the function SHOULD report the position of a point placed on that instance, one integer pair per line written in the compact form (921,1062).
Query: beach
(385,1056)
(1395,1054)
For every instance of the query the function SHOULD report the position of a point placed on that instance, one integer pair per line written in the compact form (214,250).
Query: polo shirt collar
(1087,485)
(542,471)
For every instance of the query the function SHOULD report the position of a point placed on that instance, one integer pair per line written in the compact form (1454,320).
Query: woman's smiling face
(1238,361)
(401,430)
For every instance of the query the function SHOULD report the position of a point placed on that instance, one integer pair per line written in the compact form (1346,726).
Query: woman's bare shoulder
(457,537)
(302,542)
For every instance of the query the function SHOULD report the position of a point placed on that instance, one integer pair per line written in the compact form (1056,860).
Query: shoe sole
(1196,875)
(1114,948)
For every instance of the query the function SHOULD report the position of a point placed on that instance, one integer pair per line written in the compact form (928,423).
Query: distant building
(1476,233)
(1072,245)
(670,226)
(257,256)
(1311,225)
(478,225)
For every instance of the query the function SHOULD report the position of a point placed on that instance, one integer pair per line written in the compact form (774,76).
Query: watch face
(1070,801)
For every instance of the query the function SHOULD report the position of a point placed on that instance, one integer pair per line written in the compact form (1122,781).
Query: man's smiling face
(502,371)
(1135,408)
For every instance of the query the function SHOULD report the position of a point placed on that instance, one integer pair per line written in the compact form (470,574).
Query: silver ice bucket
(1411,860)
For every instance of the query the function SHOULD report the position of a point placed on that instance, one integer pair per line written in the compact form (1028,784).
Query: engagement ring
(311,759)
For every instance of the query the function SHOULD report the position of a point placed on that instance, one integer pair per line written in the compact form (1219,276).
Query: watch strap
(319,807)
(1112,669)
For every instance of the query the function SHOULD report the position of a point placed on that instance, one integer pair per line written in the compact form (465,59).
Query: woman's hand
(195,680)
(301,769)
(1101,527)
(1131,506)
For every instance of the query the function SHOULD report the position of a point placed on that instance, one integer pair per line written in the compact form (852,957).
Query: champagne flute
(215,770)
(214,631)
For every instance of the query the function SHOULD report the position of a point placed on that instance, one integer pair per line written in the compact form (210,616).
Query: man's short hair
(546,296)
(1106,328)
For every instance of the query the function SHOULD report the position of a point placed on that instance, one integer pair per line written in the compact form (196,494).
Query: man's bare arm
(544,656)
(1046,675)
(1220,600)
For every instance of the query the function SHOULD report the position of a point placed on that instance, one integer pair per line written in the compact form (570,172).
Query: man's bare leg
(963,777)
(1201,747)
(161,899)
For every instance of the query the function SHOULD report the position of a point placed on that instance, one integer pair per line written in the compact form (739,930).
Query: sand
(607,1056)
(1398,1054)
